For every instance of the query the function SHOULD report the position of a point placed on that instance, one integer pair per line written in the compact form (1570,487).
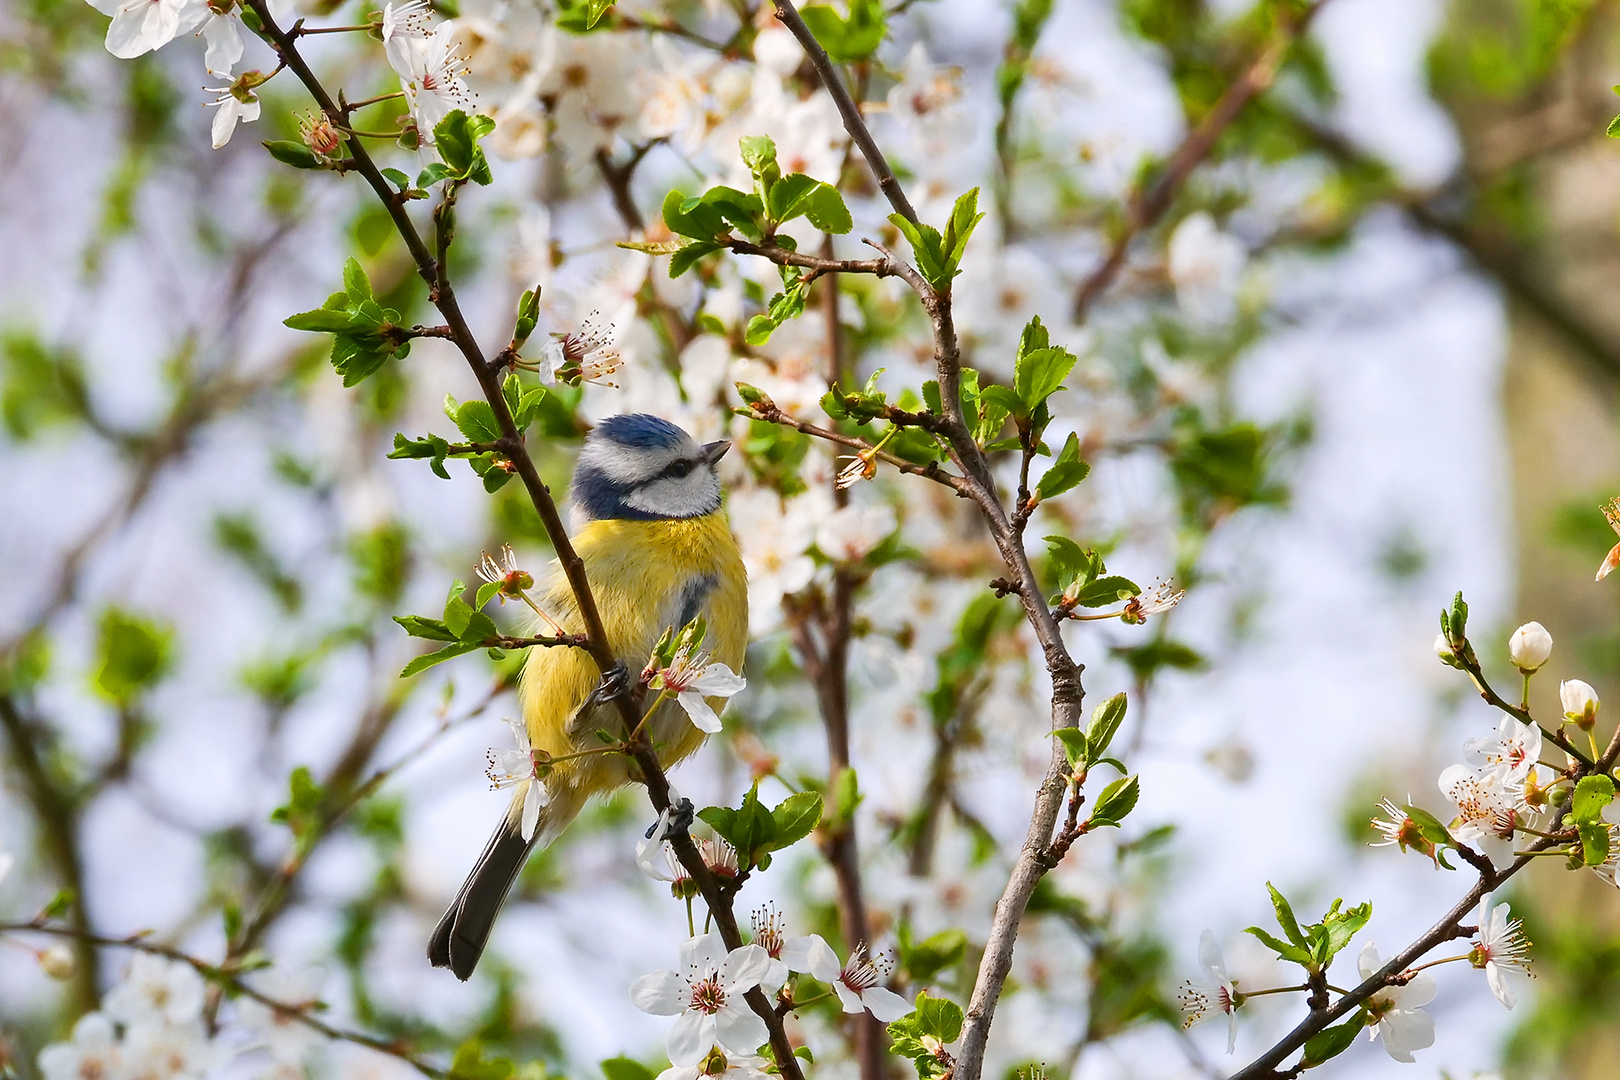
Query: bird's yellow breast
(645,576)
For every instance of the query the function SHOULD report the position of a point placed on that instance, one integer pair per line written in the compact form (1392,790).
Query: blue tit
(658,553)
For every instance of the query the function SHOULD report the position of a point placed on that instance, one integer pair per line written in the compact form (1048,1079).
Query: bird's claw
(677,819)
(615,683)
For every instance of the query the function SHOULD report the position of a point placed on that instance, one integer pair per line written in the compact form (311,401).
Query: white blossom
(706,998)
(235,106)
(1204,264)
(1397,1010)
(433,75)
(928,100)
(139,26)
(170,1052)
(856,983)
(511,768)
(718,1066)
(58,961)
(223,35)
(1500,949)
(693,680)
(1487,811)
(807,954)
(1215,991)
(93,1051)
(156,990)
(850,533)
(1529,647)
(1510,755)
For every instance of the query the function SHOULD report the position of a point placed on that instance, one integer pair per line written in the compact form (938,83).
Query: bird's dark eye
(679,469)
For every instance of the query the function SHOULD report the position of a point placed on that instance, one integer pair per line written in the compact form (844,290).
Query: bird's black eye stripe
(678,468)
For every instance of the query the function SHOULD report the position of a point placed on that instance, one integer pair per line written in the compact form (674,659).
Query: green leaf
(456,139)
(687,257)
(355,282)
(581,16)
(847,40)
(1329,1043)
(824,208)
(1592,794)
(1594,842)
(469,1064)
(475,419)
(1613,130)
(1105,721)
(1075,746)
(846,795)
(1039,374)
(939,1017)
(758,154)
(927,958)
(1066,472)
(293,153)
(1338,927)
(422,627)
(1117,800)
(430,446)
(324,321)
(1285,916)
(623,1068)
(422,663)
(1292,953)
(693,217)
(133,654)
(1107,590)
(795,817)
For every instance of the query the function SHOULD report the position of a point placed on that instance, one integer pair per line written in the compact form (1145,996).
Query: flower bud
(1442,649)
(1529,647)
(58,962)
(1580,703)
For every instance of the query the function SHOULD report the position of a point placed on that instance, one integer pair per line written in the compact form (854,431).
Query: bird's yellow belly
(646,577)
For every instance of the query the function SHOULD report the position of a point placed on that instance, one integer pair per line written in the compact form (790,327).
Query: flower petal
(743,969)
(1497,976)
(703,718)
(811,954)
(718,680)
(520,734)
(1405,1030)
(533,799)
(1209,955)
(690,1038)
(647,857)
(1610,561)
(224,44)
(662,993)
(884,1004)
(738,1029)
(703,954)
(1415,994)
(847,997)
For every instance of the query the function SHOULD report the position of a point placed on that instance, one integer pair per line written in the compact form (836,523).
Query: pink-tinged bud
(1580,703)
(1529,647)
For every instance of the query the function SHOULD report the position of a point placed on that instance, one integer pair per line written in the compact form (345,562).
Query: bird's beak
(714,451)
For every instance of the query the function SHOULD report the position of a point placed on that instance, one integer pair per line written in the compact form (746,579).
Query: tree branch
(1148,204)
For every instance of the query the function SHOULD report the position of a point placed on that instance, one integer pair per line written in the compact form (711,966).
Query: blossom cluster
(151,1027)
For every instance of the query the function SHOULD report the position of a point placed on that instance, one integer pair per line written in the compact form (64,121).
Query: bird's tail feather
(459,939)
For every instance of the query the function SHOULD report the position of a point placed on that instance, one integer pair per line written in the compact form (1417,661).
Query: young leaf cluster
(850,39)
(939,256)
(923,1034)
(755,832)
(464,626)
(1315,945)
(364,333)
(1081,578)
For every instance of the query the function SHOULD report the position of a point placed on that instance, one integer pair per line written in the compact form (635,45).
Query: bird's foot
(677,819)
(615,684)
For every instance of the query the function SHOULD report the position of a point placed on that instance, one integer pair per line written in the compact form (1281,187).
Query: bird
(658,553)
